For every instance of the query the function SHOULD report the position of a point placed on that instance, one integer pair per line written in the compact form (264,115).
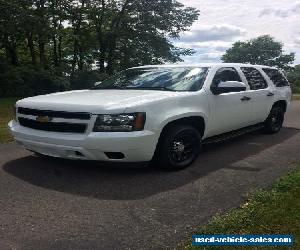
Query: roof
(178,65)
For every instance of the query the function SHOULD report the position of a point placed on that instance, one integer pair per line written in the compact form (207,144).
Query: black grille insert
(53,126)
(56,114)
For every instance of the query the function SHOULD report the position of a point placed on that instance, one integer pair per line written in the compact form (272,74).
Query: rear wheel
(274,122)
(178,147)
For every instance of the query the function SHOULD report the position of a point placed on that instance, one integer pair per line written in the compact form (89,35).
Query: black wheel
(275,120)
(178,147)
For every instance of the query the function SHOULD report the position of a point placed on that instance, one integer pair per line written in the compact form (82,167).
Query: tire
(274,122)
(178,147)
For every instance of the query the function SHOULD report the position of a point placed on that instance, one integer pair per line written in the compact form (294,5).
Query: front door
(229,111)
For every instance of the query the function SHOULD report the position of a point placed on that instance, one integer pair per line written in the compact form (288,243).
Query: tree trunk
(112,38)
(55,57)
(55,25)
(30,45)
(102,46)
(77,37)
(125,62)
(81,56)
(41,31)
(42,53)
(11,51)
(59,42)
(101,40)
(74,60)
(111,55)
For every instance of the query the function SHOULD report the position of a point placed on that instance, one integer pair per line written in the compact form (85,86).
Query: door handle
(270,94)
(245,98)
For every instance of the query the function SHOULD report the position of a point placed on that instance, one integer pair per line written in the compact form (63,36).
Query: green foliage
(87,79)
(27,81)
(61,40)
(294,78)
(6,114)
(296,97)
(263,50)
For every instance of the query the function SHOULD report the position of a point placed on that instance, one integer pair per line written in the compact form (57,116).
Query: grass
(6,114)
(275,211)
(296,97)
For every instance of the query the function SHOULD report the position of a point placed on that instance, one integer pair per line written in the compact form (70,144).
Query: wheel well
(281,104)
(195,121)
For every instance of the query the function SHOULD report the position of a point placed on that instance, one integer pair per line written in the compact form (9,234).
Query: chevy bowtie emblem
(43,119)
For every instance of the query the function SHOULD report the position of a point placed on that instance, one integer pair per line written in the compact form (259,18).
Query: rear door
(261,93)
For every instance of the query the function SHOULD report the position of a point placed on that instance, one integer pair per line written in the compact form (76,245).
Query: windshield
(172,79)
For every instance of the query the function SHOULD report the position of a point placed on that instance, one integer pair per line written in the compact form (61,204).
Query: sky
(221,23)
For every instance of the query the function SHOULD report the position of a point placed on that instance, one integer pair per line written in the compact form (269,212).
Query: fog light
(114,155)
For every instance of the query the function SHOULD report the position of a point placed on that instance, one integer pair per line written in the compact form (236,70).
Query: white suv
(160,113)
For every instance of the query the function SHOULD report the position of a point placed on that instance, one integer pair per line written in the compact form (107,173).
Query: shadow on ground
(137,181)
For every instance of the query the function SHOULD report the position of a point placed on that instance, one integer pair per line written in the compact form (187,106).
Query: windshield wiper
(151,88)
(110,87)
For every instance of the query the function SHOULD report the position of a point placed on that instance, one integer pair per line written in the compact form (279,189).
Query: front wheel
(178,147)
(274,122)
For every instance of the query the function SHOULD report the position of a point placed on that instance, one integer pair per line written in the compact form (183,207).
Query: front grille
(53,126)
(56,114)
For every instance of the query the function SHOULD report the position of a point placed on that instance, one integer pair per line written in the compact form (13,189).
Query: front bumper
(135,146)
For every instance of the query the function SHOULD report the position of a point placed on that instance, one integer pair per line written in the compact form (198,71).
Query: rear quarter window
(276,77)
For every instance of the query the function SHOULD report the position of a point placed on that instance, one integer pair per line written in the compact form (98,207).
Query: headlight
(120,122)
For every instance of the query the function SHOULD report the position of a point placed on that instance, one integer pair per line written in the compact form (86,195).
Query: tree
(67,38)
(294,78)
(262,50)
(130,32)
(10,32)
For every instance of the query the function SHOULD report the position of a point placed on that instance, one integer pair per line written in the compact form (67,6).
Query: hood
(95,101)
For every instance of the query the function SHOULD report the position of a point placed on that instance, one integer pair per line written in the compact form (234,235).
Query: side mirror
(227,87)
(97,83)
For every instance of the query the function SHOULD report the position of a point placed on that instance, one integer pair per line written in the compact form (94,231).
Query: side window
(254,78)
(276,77)
(224,75)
